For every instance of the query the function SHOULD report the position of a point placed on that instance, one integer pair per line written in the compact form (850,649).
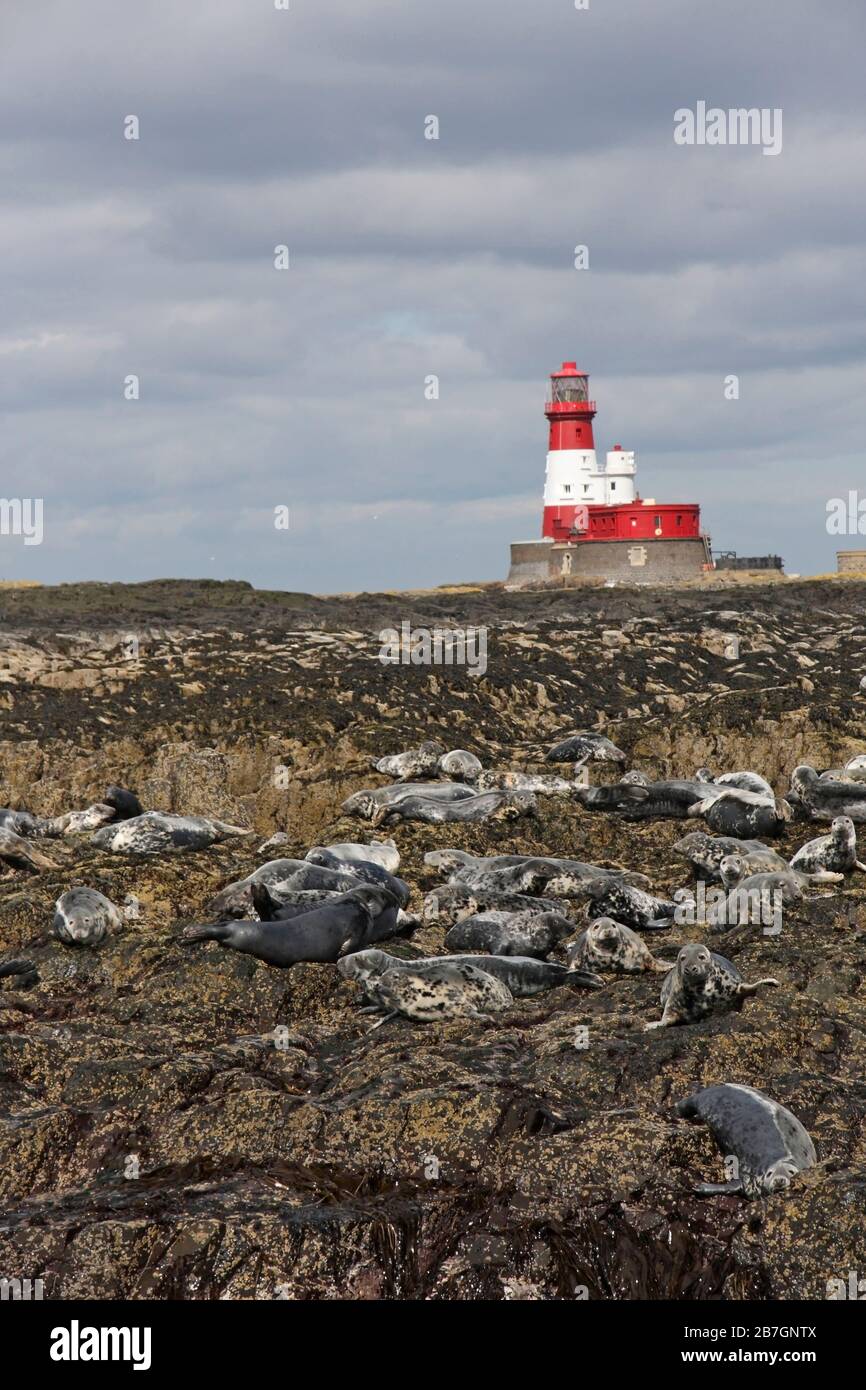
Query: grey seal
(348,923)
(21,822)
(23,968)
(156,832)
(382,852)
(484,806)
(826,799)
(584,746)
(84,917)
(834,853)
(525,976)
(510,934)
(446,990)
(743,814)
(415,762)
(126,804)
(702,983)
(567,875)
(460,765)
(634,907)
(742,781)
(769,1143)
(642,800)
(706,852)
(15,851)
(452,901)
(364,872)
(369,803)
(236,899)
(539,783)
(76,822)
(611,946)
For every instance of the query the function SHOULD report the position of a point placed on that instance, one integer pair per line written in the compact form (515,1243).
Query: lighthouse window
(613,487)
(567,487)
(679,520)
(658,522)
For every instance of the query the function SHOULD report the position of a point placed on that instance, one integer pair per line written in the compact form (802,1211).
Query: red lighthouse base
(629,521)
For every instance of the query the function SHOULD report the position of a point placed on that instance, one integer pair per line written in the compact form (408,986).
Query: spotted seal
(369,803)
(702,983)
(346,924)
(459,765)
(525,976)
(510,933)
(612,947)
(825,800)
(706,852)
(156,832)
(834,853)
(84,917)
(743,814)
(442,990)
(584,746)
(19,854)
(634,907)
(415,762)
(538,783)
(736,869)
(769,1143)
(382,852)
(452,901)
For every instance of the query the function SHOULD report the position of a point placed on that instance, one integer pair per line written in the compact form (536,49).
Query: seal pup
(510,933)
(459,765)
(825,800)
(583,747)
(443,990)
(156,832)
(84,917)
(834,853)
(236,899)
(484,806)
(743,814)
(702,983)
(525,976)
(349,923)
(769,1143)
(452,901)
(743,781)
(382,852)
(610,946)
(706,852)
(634,907)
(415,762)
(18,854)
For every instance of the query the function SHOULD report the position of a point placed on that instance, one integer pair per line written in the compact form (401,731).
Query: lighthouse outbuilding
(595,523)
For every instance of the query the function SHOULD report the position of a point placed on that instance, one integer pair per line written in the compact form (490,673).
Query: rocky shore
(183,1122)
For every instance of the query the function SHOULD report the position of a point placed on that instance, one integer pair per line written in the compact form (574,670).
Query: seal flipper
(215,931)
(712,1189)
(586,978)
(264,904)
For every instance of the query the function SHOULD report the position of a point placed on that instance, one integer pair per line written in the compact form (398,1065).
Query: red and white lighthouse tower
(595,521)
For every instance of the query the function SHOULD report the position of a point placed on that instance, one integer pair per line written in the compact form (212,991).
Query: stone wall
(632,562)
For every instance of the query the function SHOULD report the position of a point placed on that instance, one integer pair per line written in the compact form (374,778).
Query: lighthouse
(594,520)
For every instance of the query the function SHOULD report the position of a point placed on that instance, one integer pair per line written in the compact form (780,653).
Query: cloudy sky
(305,388)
